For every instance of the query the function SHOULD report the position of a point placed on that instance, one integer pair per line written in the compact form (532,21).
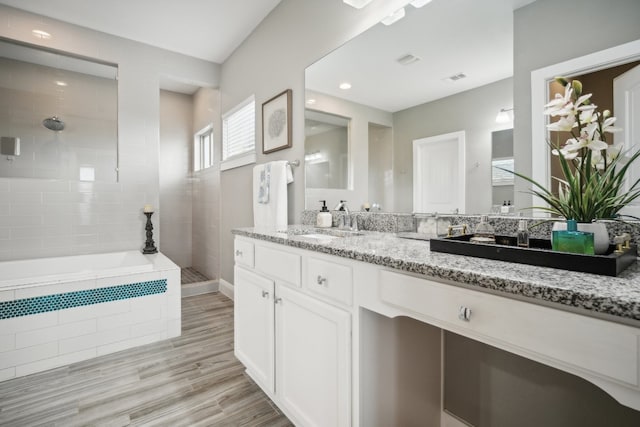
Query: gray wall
(294,35)
(493,388)
(473,111)
(588,26)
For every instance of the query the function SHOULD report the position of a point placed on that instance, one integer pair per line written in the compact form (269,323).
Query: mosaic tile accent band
(43,304)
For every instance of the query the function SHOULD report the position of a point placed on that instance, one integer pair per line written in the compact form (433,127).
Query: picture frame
(276,122)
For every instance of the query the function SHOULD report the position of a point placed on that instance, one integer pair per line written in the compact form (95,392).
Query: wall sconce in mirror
(505,115)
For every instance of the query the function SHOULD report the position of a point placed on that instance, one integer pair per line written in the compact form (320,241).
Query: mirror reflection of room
(326,150)
(462,91)
(59,115)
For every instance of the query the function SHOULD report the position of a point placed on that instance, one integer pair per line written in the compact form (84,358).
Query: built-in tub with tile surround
(57,311)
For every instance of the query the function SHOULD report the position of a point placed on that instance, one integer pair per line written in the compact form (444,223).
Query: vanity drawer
(243,252)
(278,264)
(330,279)
(541,333)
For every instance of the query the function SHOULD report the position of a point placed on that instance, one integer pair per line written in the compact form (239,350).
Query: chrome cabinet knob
(464,313)
(322,281)
(265,294)
(278,300)
(238,252)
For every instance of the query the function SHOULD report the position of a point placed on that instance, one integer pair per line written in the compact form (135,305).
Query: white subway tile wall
(42,217)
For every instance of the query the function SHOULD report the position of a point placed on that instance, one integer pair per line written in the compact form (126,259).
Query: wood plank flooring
(192,380)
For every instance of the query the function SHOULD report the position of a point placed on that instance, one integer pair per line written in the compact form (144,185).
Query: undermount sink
(327,234)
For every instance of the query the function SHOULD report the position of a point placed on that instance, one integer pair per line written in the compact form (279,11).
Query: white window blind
(238,130)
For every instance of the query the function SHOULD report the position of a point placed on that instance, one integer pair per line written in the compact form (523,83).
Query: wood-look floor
(192,380)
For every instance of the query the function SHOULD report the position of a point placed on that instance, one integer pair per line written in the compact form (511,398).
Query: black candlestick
(149,248)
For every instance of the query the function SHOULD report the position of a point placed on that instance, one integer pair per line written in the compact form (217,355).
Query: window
(239,135)
(203,148)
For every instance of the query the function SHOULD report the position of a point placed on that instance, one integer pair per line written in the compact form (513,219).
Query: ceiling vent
(456,77)
(408,59)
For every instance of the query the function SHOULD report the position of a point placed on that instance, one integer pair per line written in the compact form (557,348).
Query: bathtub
(57,311)
(42,271)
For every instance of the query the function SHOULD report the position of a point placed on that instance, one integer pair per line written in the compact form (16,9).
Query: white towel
(271,214)
(265,183)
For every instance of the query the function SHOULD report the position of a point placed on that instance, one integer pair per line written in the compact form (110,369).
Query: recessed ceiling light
(394,17)
(41,34)
(311,101)
(345,86)
(358,4)
(419,3)
(61,83)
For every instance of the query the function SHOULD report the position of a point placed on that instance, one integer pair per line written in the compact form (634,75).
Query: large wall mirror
(59,115)
(418,78)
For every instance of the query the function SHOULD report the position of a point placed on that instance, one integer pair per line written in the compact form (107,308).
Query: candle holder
(149,247)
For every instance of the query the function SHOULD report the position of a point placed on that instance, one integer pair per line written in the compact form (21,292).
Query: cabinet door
(253,329)
(313,359)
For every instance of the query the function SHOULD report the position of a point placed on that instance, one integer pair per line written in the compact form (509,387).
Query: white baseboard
(449,420)
(226,288)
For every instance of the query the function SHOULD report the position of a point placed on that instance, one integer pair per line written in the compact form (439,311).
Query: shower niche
(58,115)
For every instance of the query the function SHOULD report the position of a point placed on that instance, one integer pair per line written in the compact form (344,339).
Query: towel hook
(294,163)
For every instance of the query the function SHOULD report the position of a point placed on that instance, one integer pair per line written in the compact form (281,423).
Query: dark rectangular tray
(539,253)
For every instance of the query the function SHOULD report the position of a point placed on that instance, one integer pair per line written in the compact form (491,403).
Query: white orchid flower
(613,151)
(560,105)
(565,124)
(607,125)
(597,160)
(581,100)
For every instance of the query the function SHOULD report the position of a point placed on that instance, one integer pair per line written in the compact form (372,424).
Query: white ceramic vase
(599,230)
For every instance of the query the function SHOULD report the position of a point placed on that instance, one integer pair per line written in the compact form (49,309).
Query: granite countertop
(614,298)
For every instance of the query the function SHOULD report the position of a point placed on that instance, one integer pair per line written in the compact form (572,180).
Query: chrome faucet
(345,220)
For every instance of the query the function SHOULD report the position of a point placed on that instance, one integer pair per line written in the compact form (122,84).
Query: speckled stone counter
(614,298)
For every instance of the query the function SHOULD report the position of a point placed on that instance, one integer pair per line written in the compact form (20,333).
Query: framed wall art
(276,123)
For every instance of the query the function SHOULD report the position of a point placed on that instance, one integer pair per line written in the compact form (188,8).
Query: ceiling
(205,29)
(449,36)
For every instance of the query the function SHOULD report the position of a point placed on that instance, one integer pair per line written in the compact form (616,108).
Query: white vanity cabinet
(339,342)
(253,326)
(295,344)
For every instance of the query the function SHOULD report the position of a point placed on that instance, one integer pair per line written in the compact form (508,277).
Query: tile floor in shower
(191,275)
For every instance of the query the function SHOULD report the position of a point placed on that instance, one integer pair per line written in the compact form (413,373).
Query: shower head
(53,123)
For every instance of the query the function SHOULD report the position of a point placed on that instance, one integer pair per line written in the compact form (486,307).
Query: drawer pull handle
(464,313)
(238,252)
(278,300)
(265,294)
(322,281)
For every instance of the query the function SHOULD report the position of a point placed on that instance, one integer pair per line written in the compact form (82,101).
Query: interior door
(438,173)
(626,108)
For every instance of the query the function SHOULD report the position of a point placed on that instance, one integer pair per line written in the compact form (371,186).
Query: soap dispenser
(324,219)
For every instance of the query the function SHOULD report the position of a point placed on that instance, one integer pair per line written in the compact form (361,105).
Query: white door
(626,109)
(253,327)
(313,360)
(438,173)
